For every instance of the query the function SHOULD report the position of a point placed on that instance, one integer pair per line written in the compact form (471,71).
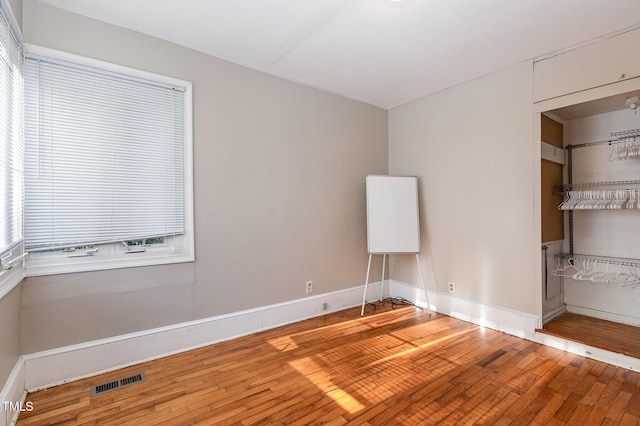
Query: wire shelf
(616,137)
(611,260)
(626,134)
(567,187)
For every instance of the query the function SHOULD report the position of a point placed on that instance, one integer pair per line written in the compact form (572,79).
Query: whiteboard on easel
(393,224)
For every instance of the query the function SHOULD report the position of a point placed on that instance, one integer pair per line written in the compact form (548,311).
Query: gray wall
(16,8)
(279,174)
(472,146)
(9,333)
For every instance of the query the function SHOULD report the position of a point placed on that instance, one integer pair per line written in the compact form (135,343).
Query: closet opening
(590,189)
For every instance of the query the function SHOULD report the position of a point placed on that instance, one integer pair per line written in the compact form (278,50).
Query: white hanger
(558,272)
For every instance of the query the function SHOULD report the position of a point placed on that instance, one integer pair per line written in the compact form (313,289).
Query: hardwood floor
(400,366)
(603,334)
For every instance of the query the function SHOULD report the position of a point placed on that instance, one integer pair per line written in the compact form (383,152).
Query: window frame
(177,249)
(11,276)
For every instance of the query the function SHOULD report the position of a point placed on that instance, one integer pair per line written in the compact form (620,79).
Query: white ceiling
(381,52)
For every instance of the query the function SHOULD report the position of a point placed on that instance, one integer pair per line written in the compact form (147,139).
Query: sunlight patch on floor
(331,331)
(320,379)
(422,346)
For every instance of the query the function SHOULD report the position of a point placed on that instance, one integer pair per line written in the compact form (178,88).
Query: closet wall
(551,175)
(604,232)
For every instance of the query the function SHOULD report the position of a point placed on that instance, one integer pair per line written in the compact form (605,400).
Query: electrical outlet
(452,287)
(308,287)
(325,306)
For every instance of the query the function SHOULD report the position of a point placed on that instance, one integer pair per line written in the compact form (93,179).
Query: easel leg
(423,284)
(366,283)
(384,261)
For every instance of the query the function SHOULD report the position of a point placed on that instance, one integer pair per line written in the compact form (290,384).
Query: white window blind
(104,157)
(11,134)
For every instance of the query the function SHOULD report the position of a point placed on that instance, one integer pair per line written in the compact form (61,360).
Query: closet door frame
(539,108)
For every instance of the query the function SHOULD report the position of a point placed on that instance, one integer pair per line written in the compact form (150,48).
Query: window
(11,131)
(107,162)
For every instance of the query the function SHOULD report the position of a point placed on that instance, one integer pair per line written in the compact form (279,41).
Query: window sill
(37,267)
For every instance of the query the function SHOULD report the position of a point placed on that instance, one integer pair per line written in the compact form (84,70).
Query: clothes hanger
(558,272)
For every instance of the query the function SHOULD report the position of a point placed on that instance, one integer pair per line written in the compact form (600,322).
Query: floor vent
(117,384)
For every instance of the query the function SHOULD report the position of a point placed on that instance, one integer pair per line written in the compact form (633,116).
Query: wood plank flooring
(599,333)
(399,366)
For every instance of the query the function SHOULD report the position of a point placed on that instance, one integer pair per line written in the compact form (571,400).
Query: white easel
(384,258)
(393,225)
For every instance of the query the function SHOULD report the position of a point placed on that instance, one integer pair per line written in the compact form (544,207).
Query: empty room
(333,212)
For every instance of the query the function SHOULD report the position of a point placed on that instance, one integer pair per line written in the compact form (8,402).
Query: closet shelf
(610,260)
(625,134)
(616,137)
(568,187)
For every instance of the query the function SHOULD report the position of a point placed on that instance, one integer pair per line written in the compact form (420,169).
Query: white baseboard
(13,394)
(617,359)
(52,367)
(49,368)
(553,314)
(603,315)
(507,320)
